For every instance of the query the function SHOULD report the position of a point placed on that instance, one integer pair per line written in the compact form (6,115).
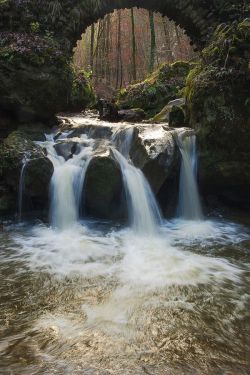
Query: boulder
(37,178)
(66,149)
(154,151)
(104,188)
(166,114)
(16,149)
(37,78)
(108,110)
(132,115)
(217,97)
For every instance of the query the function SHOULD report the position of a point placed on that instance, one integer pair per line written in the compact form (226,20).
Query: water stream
(21,189)
(189,206)
(142,206)
(153,297)
(67,182)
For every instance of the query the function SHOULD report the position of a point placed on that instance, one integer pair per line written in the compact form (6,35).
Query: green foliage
(230,46)
(157,90)
(34,27)
(82,94)
(13,149)
(217,92)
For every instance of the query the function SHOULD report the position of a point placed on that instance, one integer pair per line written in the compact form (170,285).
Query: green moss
(13,149)
(37,79)
(217,96)
(157,90)
(82,93)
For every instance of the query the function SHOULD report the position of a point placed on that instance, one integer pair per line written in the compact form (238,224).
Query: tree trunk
(92,41)
(133,45)
(153,42)
(108,48)
(166,27)
(119,66)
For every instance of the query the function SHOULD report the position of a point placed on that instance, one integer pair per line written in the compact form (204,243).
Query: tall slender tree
(119,70)
(153,42)
(133,45)
(166,28)
(92,42)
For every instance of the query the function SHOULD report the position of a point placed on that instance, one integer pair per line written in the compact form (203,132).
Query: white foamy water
(189,206)
(142,206)
(67,181)
(21,188)
(150,262)
(140,267)
(110,289)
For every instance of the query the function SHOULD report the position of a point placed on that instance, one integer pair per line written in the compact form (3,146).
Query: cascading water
(21,188)
(116,289)
(67,183)
(144,213)
(142,207)
(122,138)
(189,206)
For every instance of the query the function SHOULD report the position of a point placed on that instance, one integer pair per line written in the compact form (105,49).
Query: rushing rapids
(97,297)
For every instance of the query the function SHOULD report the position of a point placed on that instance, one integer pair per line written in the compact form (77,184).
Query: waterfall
(143,210)
(189,206)
(67,184)
(122,139)
(21,188)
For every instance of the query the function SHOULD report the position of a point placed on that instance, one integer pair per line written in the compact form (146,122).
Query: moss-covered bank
(218,106)
(157,90)
(14,150)
(37,78)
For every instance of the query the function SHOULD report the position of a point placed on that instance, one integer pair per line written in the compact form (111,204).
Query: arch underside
(68,19)
(37,38)
(198,18)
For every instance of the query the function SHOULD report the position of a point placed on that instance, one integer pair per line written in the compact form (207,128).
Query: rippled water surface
(98,299)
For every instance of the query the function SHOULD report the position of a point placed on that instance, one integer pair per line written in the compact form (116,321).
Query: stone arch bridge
(37,38)
(67,19)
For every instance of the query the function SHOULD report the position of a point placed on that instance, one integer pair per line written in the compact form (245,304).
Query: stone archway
(37,38)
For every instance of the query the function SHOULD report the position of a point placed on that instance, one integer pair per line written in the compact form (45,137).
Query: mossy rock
(14,150)
(173,113)
(157,90)
(103,188)
(82,94)
(38,80)
(132,115)
(217,97)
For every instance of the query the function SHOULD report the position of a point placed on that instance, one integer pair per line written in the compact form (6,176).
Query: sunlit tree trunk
(166,27)
(92,42)
(119,67)
(108,47)
(133,45)
(153,42)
